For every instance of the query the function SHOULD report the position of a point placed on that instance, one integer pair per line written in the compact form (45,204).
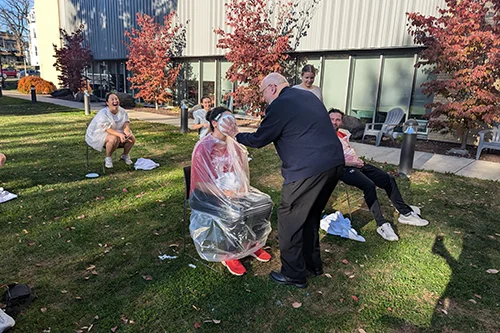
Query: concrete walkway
(423,161)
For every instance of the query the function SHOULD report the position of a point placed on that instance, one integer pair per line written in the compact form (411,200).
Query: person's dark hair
(308,69)
(214,113)
(334,110)
(108,95)
(201,100)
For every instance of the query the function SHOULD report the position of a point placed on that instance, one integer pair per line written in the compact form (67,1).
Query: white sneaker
(413,219)
(126,159)
(6,321)
(108,162)
(387,233)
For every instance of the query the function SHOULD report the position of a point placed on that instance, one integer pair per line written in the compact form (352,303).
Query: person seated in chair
(367,177)
(229,218)
(110,129)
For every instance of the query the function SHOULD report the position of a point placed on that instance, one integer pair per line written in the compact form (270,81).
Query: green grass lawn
(89,246)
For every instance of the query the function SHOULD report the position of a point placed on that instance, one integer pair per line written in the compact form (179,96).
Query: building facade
(33,40)
(361,48)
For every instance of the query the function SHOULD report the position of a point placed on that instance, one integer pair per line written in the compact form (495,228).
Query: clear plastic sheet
(229,218)
(104,119)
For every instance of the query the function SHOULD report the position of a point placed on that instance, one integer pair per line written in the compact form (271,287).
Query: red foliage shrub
(41,86)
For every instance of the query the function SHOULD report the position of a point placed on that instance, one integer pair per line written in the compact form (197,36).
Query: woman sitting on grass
(110,129)
(229,219)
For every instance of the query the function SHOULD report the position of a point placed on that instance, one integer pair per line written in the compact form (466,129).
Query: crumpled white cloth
(6,195)
(145,164)
(338,225)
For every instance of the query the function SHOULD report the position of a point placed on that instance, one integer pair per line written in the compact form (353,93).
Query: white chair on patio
(484,143)
(386,128)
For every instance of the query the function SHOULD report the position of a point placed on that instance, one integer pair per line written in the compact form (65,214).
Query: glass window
(335,83)
(225,86)
(395,88)
(364,88)
(418,99)
(191,77)
(208,86)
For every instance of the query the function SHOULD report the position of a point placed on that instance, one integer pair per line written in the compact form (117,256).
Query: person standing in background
(307,76)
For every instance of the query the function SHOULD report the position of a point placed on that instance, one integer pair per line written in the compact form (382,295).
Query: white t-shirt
(315,90)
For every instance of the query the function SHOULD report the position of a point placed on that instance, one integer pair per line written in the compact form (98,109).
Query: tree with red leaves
(261,36)
(463,53)
(151,48)
(71,59)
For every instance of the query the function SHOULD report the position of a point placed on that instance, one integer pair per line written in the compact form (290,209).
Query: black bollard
(33,94)
(184,118)
(408,147)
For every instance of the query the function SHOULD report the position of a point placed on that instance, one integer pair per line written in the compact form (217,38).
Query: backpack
(17,297)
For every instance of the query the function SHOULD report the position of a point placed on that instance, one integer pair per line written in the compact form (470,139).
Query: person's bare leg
(127,146)
(112,142)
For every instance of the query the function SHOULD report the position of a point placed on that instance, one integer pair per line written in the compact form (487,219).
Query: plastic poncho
(104,119)
(229,218)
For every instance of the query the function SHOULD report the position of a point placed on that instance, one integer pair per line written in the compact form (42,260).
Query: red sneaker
(261,255)
(235,267)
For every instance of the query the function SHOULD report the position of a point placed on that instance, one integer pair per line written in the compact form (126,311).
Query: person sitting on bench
(367,177)
(229,218)
(110,128)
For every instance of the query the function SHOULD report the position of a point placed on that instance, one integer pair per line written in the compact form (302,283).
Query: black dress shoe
(281,279)
(315,271)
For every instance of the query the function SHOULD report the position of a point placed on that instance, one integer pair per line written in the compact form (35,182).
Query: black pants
(299,215)
(367,179)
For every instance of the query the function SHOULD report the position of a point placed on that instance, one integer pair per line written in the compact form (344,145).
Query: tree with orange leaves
(152,47)
(463,53)
(260,37)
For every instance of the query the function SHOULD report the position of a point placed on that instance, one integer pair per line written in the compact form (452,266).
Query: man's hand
(228,127)
(123,137)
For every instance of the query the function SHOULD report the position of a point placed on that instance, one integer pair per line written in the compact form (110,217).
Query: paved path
(424,161)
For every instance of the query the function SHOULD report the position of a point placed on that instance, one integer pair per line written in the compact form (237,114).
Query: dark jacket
(299,126)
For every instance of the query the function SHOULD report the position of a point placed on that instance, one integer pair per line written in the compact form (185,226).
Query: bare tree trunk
(465,135)
(156,105)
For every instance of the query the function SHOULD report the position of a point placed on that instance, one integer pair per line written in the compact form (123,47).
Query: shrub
(41,86)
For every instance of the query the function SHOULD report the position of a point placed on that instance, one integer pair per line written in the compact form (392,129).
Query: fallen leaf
(352,276)
(64,291)
(87,277)
(91,267)
(78,298)
(197,325)
(457,232)
(491,236)
(296,305)
(131,322)
(341,300)
(354,297)
(114,329)
(31,243)
(492,271)
(345,261)
(478,296)
(124,319)
(327,251)
(25,231)
(94,272)
(147,277)
(320,292)
(444,311)
(389,308)
(155,232)
(216,321)
(473,301)
(125,190)
(196,308)
(328,275)
(43,310)
(360,330)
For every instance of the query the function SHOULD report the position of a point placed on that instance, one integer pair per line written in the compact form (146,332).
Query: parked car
(31,72)
(8,72)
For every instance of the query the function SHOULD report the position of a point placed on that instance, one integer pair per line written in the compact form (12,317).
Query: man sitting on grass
(367,177)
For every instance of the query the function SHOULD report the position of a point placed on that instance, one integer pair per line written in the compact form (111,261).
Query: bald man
(297,123)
